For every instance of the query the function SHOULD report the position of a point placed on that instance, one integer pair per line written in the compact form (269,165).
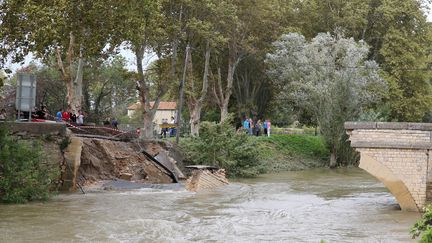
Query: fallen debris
(203,178)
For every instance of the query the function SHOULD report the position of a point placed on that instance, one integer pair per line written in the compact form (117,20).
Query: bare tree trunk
(70,92)
(73,85)
(76,101)
(195,105)
(142,87)
(247,91)
(180,103)
(224,112)
(195,120)
(333,159)
(223,94)
(232,64)
(148,125)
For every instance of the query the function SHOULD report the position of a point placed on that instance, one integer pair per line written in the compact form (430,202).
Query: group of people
(69,116)
(171,129)
(40,113)
(254,127)
(114,123)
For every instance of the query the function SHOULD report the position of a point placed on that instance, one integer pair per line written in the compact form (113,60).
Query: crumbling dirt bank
(109,160)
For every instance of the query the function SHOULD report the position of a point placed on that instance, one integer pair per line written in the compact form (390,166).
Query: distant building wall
(163,115)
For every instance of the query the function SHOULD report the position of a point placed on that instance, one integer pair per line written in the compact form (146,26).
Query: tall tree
(398,35)
(252,87)
(70,30)
(248,28)
(144,33)
(328,76)
(195,98)
(404,53)
(201,35)
(112,87)
(230,26)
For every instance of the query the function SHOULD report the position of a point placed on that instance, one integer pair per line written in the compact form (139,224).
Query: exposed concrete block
(38,128)
(390,144)
(170,163)
(72,156)
(392,125)
(359,125)
(420,126)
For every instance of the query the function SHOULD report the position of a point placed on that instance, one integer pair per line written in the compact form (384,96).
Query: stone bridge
(398,155)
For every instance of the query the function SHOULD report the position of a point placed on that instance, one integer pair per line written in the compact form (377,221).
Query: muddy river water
(346,205)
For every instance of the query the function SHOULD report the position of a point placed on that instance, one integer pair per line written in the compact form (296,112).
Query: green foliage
(403,51)
(397,32)
(24,176)
(283,152)
(220,145)
(302,145)
(44,28)
(48,138)
(330,78)
(64,143)
(112,88)
(423,226)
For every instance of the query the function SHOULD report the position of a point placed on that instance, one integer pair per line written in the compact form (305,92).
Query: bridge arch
(397,154)
(393,183)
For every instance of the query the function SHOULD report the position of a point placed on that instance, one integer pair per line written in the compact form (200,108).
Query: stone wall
(400,152)
(409,165)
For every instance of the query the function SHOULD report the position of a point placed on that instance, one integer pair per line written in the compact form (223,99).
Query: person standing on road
(172,130)
(114,123)
(265,127)
(257,128)
(59,115)
(268,127)
(246,125)
(251,126)
(80,119)
(66,116)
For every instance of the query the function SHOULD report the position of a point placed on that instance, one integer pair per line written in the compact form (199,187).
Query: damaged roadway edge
(111,165)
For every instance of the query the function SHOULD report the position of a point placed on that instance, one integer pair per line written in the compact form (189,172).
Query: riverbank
(290,152)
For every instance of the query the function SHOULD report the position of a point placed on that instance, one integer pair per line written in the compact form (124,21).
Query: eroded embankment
(110,160)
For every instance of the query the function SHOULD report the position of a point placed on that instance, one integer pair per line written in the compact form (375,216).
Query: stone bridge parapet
(398,155)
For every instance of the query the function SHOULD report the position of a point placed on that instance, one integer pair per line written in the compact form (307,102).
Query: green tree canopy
(328,77)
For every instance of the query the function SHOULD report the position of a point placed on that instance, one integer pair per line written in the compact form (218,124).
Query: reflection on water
(334,205)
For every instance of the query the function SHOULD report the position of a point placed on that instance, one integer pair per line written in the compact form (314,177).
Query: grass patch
(291,152)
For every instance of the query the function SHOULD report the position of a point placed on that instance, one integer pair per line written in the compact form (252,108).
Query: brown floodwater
(345,205)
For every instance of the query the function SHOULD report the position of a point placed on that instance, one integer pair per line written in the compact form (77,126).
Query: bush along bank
(24,174)
(423,227)
(220,145)
(247,156)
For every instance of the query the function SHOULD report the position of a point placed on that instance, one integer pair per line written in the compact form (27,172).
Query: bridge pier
(398,155)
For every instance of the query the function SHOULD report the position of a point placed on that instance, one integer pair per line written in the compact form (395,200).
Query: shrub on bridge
(220,145)
(24,175)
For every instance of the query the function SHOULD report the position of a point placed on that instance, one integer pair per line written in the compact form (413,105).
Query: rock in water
(206,179)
